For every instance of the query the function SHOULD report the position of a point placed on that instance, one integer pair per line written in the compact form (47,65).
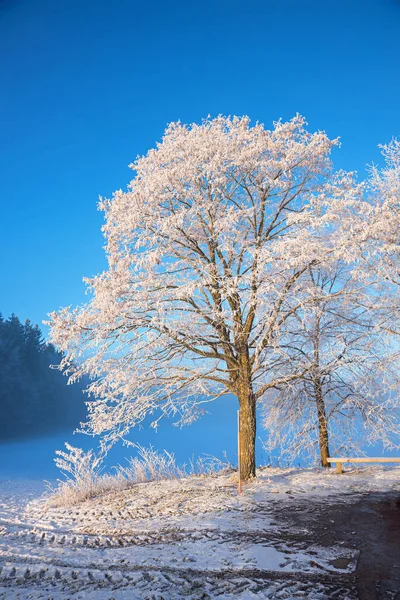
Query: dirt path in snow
(370,525)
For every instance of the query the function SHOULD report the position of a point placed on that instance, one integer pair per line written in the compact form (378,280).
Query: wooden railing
(339,461)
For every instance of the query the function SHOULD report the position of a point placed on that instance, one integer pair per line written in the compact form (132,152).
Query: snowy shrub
(151,465)
(76,464)
(209,464)
(84,478)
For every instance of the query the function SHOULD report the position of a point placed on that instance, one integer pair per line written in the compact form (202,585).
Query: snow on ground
(193,538)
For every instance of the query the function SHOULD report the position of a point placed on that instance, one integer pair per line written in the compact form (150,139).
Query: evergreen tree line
(34,398)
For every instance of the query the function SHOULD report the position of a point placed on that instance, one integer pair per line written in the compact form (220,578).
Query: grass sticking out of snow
(84,478)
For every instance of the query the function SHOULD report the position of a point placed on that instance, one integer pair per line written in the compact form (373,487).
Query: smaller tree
(348,372)
(379,246)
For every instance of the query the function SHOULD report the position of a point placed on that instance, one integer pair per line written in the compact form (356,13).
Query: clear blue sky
(87,85)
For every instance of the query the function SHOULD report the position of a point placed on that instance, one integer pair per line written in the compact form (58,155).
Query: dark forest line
(34,398)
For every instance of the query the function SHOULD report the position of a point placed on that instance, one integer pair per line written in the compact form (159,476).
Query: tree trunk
(247,433)
(323,437)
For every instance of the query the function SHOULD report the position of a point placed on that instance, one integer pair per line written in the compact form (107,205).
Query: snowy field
(193,538)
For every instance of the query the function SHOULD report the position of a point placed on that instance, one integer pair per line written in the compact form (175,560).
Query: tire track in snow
(187,581)
(33,536)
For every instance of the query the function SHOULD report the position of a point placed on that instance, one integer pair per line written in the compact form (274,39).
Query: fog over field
(213,434)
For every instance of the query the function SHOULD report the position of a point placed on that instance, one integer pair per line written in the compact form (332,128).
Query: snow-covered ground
(193,538)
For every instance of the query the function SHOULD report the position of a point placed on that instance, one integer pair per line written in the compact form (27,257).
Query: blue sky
(88,85)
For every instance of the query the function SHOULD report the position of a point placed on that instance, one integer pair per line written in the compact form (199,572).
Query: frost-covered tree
(207,252)
(350,380)
(380,243)
(385,226)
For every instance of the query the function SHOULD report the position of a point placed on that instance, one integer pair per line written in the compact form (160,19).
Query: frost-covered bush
(76,464)
(151,465)
(84,479)
(209,464)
